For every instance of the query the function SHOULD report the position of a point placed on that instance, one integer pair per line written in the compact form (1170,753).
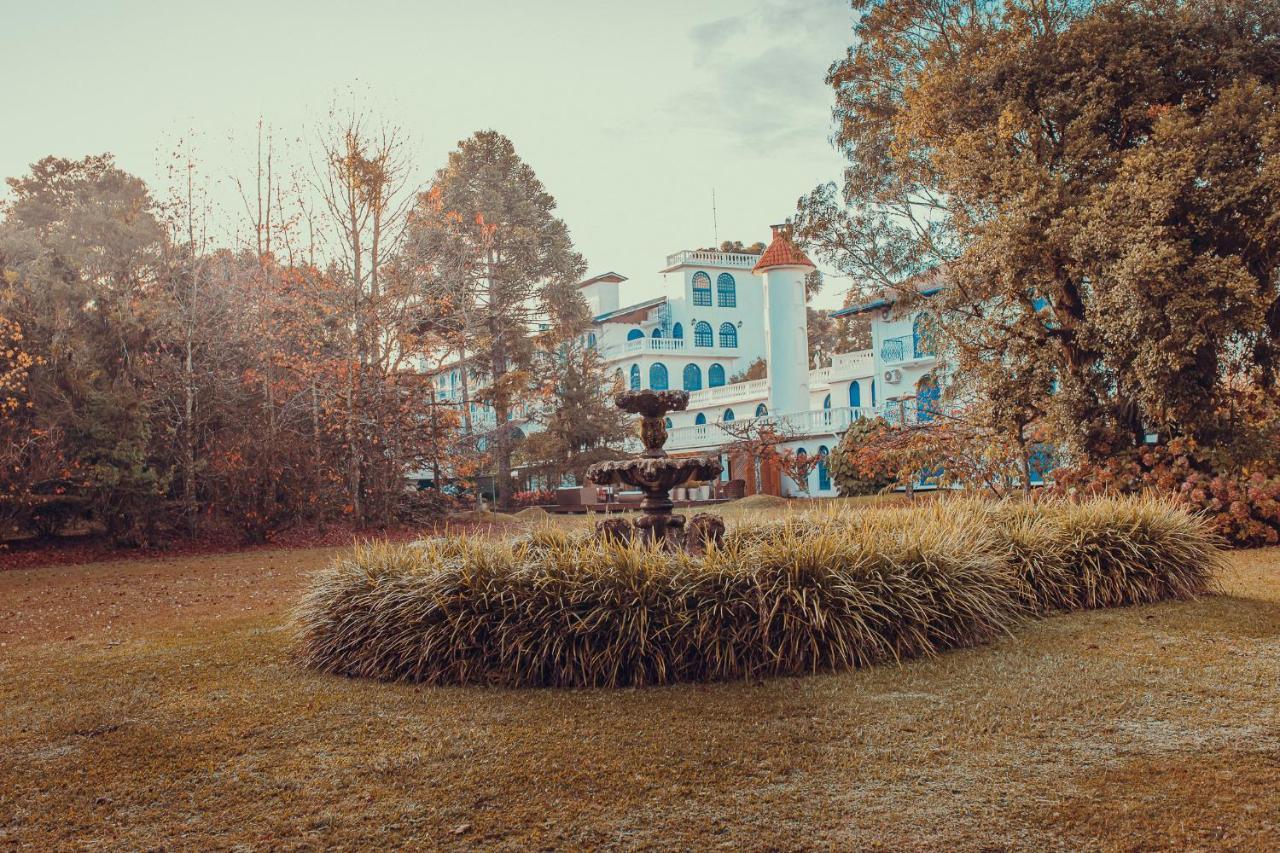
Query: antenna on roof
(715,225)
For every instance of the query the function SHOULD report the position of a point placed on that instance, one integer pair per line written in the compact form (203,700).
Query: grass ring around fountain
(802,595)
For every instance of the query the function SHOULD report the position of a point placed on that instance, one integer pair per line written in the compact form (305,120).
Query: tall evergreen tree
(486,238)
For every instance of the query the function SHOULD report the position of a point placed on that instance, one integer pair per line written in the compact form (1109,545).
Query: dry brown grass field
(157,704)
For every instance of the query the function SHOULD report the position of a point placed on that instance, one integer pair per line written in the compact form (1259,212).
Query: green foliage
(802,595)
(1098,182)
(850,477)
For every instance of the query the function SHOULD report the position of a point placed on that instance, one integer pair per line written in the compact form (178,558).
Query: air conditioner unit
(893,377)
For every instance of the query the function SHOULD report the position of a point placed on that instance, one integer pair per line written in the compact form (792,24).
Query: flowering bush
(1242,503)
(535,497)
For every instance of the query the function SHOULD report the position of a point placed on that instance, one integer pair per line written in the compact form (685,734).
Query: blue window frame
(927,394)
(726,291)
(635,377)
(702,335)
(657,332)
(728,415)
(677,332)
(855,394)
(873,393)
(692,377)
(826,402)
(762,410)
(667,423)
(801,452)
(728,336)
(700,420)
(634,334)
(658,376)
(715,376)
(591,339)
(824,476)
(701,289)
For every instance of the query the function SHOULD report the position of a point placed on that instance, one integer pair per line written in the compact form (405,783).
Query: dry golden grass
(1142,728)
(824,591)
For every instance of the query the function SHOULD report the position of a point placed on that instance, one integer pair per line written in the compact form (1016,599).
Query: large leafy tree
(1099,181)
(484,242)
(81,246)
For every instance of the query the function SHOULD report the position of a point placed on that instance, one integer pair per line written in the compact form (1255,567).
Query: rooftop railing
(712,259)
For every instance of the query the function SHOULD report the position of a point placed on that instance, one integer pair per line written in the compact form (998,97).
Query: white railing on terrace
(858,363)
(646,345)
(820,376)
(713,259)
(798,425)
(752,389)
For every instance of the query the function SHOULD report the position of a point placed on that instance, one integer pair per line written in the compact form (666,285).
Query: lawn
(156,703)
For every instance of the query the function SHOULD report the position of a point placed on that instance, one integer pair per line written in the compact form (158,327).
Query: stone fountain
(655,473)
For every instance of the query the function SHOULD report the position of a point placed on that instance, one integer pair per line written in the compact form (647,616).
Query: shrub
(801,595)
(1241,501)
(536,497)
(851,477)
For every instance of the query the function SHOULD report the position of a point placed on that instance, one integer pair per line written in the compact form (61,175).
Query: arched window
(702,336)
(658,376)
(634,334)
(657,332)
(855,394)
(619,377)
(824,476)
(826,402)
(728,415)
(762,410)
(591,339)
(453,379)
(635,377)
(873,393)
(667,423)
(692,377)
(726,291)
(728,335)
(700,420)
(701,289)
(677,332)
(803,454)
(715,376)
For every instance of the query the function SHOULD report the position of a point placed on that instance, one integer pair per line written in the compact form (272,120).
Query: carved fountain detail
(655,473)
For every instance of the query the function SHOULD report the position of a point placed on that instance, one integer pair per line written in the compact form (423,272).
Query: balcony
(755,389)
(712,259)
(904,348)
(821,423)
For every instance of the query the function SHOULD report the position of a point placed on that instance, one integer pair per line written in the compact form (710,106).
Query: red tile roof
(782,252)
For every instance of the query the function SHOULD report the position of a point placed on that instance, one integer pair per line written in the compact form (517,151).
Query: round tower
(786,328)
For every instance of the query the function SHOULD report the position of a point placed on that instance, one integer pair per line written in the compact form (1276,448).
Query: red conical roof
(782,252)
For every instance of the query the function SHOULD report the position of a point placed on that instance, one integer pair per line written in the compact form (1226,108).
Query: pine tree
(485,239)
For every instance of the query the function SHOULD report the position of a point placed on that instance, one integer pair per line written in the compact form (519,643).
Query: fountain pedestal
(655,473)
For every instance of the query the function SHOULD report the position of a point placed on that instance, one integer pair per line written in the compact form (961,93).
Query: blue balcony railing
(894,349)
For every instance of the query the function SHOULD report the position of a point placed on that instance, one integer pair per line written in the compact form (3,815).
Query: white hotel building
(720,312)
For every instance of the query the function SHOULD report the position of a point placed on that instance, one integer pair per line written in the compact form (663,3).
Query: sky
(630,113)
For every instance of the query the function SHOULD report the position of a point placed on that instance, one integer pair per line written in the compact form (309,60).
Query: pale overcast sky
(629,112)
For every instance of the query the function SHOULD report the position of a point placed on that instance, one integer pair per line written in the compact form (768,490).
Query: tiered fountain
(655,473)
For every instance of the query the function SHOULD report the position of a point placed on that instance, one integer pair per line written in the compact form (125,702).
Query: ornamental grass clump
(810,593)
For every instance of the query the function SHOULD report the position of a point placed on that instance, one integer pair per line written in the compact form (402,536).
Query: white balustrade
(793,425)
(713,259)
(752,389)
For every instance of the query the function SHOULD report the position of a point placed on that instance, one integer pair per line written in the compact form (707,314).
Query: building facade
(720,312)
